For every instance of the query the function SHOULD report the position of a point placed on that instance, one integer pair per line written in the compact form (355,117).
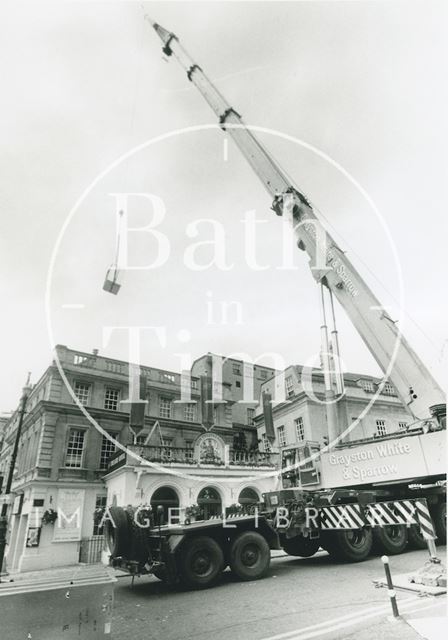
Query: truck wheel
(250,556)
(160,573)
(201,562)
(139,541)
(438,515)
(117,532)
(415,538)
(300,546)
(391,539)
(351,545)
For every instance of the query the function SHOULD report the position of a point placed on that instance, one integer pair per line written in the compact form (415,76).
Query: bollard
(432,551)
(390,587)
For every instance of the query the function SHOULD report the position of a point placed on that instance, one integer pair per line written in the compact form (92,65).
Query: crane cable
(113,269)
(354,252)
(373,274)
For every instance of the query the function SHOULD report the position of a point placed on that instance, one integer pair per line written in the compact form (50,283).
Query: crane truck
(360,500)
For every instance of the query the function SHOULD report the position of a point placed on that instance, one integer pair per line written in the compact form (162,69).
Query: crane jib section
(415,385)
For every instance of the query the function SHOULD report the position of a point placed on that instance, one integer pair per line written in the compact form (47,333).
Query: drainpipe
(12,463)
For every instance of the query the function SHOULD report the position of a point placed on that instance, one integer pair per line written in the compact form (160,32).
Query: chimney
(95,352)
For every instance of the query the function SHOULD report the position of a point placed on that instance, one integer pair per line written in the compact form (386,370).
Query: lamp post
(12,463)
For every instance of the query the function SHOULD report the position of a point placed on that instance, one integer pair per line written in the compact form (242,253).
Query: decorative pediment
(209,449)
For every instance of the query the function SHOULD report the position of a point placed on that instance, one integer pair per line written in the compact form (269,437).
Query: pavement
(299,599)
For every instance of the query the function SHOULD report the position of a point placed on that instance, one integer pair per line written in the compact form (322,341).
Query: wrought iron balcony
(253,458)
(187,456)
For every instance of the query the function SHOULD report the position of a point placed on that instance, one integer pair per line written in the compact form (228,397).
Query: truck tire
(351,545)
(391,540)
(139,541)
(415,538)
(161,574)
(438,515)
(250,556)
(117,532)
(201,562)
(300,546)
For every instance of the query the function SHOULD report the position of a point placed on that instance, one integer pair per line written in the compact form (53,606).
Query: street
(299,598)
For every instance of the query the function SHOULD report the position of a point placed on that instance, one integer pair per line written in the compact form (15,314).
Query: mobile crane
(341,514)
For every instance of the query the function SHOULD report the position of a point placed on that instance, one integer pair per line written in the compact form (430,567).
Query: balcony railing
(168,455)
(187,456)
(252,458)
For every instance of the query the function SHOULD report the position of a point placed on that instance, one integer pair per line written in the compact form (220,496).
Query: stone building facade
(299,420)
(74,460)
(4,419)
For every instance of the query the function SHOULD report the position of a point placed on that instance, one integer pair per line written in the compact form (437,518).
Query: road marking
(341,622)
(428,606)
(343,625)
(73,306)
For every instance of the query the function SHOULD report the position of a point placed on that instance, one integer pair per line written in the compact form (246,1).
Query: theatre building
(193,453)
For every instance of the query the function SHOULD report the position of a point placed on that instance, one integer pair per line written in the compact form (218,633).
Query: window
(82,392)
(367,385)
(250,417)
(167,377)
(107,449)
(167,445)
(402,425)
(114,367)
(100,505)
(189,449)
(141,439)
(238,384)
(111,399)
(388,389)
(300,429)
(164,407)
(281,436)
(194,385)
(75,448)
(266,444)
(289,386)
(190,412)
(263,374)
(236,369)
(381,427)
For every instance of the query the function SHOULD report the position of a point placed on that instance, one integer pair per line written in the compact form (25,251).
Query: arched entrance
(210,502)
(168,499)
(248,497)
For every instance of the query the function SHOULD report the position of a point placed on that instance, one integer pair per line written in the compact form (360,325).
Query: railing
(90,549)
(252,458)
(166,455)
(187,456)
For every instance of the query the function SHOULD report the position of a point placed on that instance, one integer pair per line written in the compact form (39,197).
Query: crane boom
(415,385)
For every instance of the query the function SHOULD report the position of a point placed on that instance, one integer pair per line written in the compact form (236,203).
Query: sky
(86,82)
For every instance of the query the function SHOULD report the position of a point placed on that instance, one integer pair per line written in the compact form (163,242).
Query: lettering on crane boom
(332,260)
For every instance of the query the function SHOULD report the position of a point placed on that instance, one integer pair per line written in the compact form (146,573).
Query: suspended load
(111,284)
